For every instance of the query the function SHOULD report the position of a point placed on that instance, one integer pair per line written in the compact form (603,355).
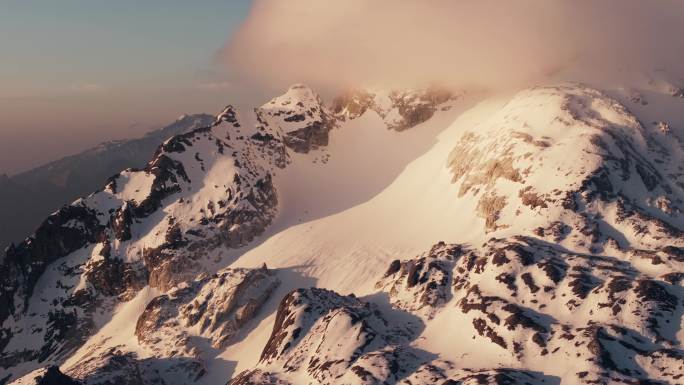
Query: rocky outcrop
(353,103)
(63,327)
(64,232)
(538,301)
(323,338)
(300,116)
(416,106)
(215,308)
(26,199)
(443,373)
(50,375)
(422,284)
(517,165)
(116,365)
(329,339)
(257,377)
(400,109)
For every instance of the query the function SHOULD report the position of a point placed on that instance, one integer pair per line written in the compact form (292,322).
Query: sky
(74,73)
(490,44)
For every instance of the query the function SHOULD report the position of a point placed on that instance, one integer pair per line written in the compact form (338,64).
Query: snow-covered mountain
(27,198)
(390,237)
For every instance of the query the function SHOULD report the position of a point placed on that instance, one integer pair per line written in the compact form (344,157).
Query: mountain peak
(300,89)
(229,114)
(298,95)
(301,116)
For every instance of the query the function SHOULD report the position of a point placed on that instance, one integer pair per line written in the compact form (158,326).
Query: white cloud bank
(476,43)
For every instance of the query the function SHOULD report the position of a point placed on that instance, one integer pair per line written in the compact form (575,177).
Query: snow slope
(555,137)
(410,237)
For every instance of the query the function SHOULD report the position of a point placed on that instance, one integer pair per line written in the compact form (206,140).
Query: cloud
(483,43)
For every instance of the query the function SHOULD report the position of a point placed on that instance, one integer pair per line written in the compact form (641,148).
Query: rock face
(50,375)
(564,161)
(113,366)
(224,210)
(531,298)
(422,285)
(217,306)
(439,373)
(301,116)
(63,327)
(400,109)
(116,365)
(327,338)
(367,349)
(539,303)
(433,373)
(26,199)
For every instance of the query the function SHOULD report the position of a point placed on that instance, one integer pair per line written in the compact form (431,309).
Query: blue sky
(105,69)
(50,44)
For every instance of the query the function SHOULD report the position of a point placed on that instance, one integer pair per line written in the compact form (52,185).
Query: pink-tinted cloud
(215,86)
(484,43)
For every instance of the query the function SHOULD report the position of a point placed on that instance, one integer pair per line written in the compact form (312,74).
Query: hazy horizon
(76,73)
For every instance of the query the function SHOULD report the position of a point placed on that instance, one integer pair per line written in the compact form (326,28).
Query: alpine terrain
(28,197)
(413,236)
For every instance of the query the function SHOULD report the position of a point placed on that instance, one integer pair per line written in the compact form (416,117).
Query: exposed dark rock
(416,107)
(65,231)
(219,306)
(53,376)
(422,284)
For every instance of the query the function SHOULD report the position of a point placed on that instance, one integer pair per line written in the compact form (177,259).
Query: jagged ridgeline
(27,198)
(548,230)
